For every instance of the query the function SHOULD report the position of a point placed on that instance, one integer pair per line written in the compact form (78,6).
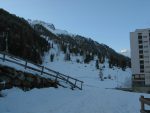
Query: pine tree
(67,55)
(97,64)
(52,45)
(52,57)
(110,65)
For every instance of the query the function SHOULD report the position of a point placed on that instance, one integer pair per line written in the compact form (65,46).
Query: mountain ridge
(26,40)
(84,46)
(22,40)
(48,26)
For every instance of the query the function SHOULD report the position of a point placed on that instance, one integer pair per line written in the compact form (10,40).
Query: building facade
(140,56)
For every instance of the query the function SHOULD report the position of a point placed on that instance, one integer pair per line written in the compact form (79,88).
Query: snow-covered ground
(89,100)
(96,97)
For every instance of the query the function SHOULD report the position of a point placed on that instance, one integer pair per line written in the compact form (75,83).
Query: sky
(106,21)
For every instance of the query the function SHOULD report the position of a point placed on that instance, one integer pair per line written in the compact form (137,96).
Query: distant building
(140,57)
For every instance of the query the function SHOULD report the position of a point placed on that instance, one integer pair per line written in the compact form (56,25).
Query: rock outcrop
(9,77)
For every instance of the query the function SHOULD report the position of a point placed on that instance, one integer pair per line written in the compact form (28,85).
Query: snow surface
(90,100)
(96,97)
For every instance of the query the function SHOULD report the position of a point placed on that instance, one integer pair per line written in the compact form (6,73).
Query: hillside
(25,39)
(22,40)
(79,45)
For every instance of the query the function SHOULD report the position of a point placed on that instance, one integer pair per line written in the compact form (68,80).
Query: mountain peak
(47,25)
(50,27)
(125,52)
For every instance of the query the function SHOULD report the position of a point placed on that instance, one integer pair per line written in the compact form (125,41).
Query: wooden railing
(143,102)
(75,83)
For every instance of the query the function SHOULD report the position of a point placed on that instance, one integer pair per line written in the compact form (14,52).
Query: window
(142,76)
(145,51)
(141,66)
(146,56)
(141,51)
(142,70)
(144,36)
(147,71)
(139,36)
(141,46)
(141,61)
(145,41)
(145,46)
(140,41)
(141,56)
(147,66)
(146,61)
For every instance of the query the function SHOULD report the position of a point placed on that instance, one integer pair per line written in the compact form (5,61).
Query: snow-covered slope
(86,72)
(80,45)
(96,97)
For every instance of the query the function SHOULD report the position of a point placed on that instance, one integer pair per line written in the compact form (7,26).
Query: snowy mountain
(40,41)
(125,52)
(80,45)
(26,40)
(49,27)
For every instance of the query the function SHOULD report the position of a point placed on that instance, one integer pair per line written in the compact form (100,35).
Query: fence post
(26,64)
(75,83)
(67,79)
(81,85)
(42,70)
(142,104)
(3,57)
(56,77)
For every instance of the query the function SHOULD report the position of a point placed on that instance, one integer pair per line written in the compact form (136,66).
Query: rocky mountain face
(19,38)
(10,77)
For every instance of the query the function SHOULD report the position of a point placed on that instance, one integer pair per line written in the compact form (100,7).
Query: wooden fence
(75,83)
(143,102)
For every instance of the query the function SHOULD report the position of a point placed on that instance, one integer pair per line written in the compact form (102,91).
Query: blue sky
(106,21)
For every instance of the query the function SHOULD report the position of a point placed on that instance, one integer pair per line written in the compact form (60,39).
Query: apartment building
(140,57)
